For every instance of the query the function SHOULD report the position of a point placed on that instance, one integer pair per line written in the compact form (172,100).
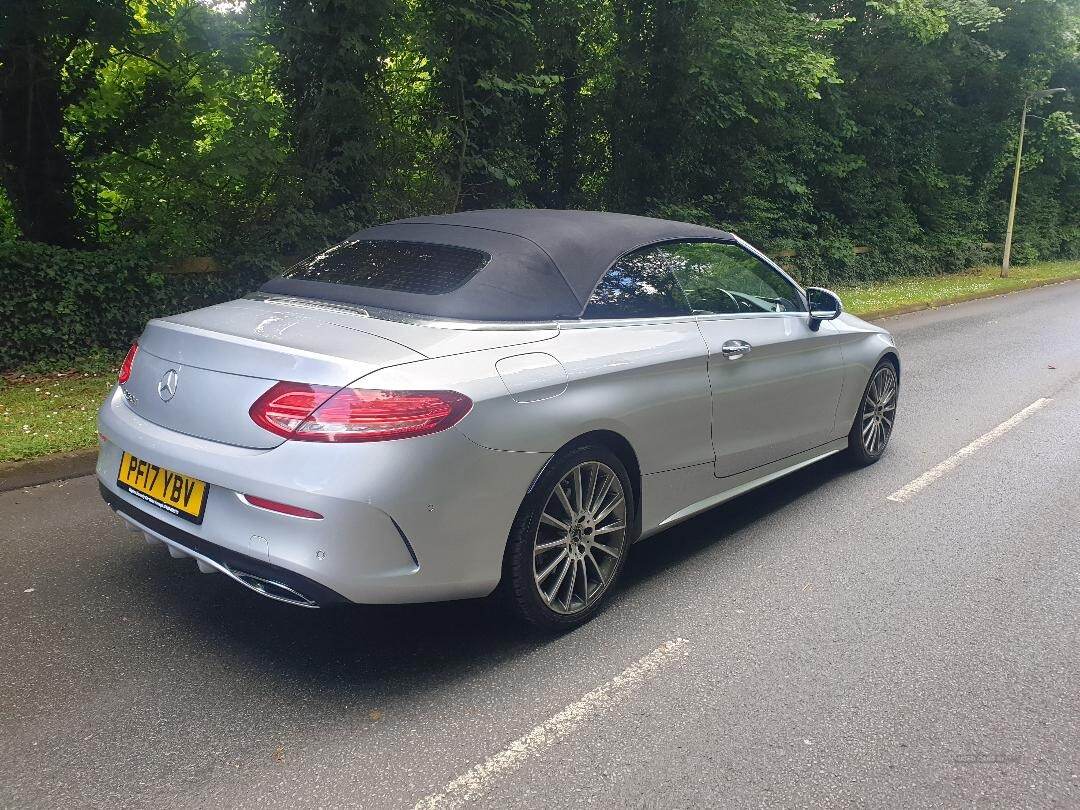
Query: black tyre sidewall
(520,588)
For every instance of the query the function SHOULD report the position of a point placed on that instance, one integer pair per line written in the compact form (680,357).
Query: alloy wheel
(580,538)
(879,410)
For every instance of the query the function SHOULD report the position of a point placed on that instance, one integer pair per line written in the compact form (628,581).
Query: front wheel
(874,420)
(570,539)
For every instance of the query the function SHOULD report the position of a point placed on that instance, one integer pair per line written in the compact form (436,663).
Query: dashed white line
(478,779)
(909,491)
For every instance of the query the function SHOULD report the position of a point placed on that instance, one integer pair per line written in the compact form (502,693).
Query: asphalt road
(825,646)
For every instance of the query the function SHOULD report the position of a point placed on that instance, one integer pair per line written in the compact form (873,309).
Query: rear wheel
(874,420)
(570,539)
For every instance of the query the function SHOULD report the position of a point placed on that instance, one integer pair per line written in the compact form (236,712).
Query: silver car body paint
(780,397)
(427,518)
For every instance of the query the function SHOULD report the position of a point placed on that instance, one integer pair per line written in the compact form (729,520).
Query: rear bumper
(269,580)
(414,520)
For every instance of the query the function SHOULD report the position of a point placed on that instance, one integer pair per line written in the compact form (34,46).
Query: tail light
(125,368)
(318,413)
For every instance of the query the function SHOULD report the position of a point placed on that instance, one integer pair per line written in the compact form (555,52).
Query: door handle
(734,349)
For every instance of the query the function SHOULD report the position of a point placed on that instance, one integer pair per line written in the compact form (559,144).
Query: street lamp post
(1016,175)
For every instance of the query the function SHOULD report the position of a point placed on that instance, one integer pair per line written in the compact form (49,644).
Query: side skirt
(751,479)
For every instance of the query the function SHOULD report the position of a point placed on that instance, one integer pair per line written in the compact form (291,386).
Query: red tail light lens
(284,407)
(125,368)
(317,413)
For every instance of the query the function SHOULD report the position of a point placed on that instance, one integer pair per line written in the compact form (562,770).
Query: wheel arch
(862,359)
(893,357)
(608,439)
(623,450)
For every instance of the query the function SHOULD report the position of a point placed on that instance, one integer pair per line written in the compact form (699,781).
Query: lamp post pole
(1016,177)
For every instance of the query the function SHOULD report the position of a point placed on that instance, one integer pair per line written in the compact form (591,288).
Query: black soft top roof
(544,263)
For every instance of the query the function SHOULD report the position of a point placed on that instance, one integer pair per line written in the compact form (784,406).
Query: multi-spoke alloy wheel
(570,538)
(877,413)
(879,410)
(580,537)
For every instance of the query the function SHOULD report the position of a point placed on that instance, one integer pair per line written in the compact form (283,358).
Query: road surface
(815,643)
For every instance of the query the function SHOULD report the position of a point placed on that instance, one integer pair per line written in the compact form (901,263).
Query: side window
(639,285)
(722,277)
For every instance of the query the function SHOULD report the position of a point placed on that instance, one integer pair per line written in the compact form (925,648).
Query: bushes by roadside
(59,304)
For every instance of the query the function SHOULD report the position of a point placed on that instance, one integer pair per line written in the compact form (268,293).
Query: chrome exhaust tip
(205,567)
(273,590)
(175,552)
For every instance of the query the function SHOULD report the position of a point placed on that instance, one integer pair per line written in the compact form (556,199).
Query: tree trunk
(568,166)
(37,171)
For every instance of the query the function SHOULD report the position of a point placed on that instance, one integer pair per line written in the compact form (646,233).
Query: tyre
(570,538)
(873,425)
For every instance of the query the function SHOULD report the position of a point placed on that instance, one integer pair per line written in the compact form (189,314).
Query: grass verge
(925,291)
(44,411)
(49,415)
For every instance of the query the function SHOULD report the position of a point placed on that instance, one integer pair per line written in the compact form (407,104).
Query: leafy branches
(191,127)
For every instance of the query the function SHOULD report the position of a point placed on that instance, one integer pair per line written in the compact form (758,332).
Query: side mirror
(825,305)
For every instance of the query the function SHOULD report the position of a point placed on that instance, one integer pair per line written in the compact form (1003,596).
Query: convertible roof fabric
(544,263)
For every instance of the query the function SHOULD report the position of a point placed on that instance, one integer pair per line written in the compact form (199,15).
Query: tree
(50,51)
(180,142)
(333,54)
(202,126)
(483,62)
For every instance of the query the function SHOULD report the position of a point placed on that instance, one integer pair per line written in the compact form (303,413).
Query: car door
(775,377)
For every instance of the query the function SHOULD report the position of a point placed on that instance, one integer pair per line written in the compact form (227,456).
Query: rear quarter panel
(646,382)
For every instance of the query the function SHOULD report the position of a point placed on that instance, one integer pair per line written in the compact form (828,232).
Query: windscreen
(421,268)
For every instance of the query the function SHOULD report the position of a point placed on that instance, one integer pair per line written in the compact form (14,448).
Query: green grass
(55,413)
(46,409)
(936,290)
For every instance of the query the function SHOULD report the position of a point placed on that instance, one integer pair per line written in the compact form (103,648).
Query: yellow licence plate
(177,494)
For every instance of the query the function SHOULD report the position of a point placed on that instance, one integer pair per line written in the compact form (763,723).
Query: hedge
(58,305)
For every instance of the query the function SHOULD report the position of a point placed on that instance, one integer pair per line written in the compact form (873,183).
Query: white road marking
(909,491)
(478,779)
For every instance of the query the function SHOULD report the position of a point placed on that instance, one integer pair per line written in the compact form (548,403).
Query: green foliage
(276,127)
(485,74)
(332,58)
(50,52)
(180,143)
(9,231)
(60,304)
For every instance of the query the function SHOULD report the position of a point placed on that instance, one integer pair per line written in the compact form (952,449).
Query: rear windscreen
(409,267)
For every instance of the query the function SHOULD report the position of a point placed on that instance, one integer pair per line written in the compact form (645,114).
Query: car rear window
(411,267)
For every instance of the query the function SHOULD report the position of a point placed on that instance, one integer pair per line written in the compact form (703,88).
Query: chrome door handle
(734,349)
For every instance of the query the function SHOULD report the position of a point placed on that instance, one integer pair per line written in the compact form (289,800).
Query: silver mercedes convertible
(444,406)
